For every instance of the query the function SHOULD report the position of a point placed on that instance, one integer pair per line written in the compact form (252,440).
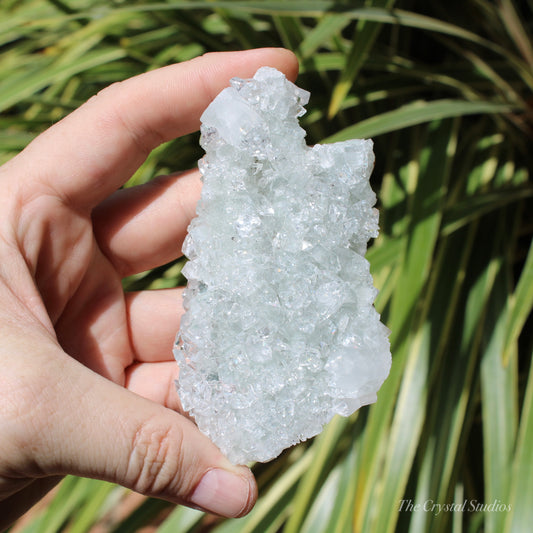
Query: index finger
(94,150)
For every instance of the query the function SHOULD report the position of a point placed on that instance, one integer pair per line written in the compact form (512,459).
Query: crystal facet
(280,332)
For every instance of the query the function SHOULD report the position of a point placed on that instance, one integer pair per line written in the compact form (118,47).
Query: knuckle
(116,98)
(122,265)
(155,465)
(109,89)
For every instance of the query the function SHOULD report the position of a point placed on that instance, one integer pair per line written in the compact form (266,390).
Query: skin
(87,379)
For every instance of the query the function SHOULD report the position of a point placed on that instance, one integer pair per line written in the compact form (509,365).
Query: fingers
(153,321)
(102,143)
(154,318)
(155,214)
(155,382)
(126,439)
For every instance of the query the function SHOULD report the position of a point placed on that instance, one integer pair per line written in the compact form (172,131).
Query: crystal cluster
(280,332)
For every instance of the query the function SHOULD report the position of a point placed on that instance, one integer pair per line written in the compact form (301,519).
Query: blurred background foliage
(446,91)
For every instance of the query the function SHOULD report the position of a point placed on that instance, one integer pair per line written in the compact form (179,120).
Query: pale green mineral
(280,332)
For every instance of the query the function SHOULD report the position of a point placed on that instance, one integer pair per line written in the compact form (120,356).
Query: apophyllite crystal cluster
(280,332)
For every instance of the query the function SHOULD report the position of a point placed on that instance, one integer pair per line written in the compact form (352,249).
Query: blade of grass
(91,512)
(484,68)
(322,450)
(426,214)
(342,517)
(363,40)
(384,255)
(473,207)
(317,519)
(290,31)
(516,30)
(499,410)
(62,6)
(182,519)
(416,113)
(149,509)
(15,90)
(520,515)
(521,306)
(71,496)
(239,28)
(14,140)
(328,26)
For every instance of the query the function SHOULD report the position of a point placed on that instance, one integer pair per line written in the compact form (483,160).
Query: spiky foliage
(445,89)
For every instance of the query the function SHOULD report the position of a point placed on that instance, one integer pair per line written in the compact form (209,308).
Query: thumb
(107,432)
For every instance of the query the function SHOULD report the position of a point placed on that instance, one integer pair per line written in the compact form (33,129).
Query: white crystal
(280,332)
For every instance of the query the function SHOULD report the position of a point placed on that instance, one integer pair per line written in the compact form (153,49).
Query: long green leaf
(474,207)
(17,89)
(364,38)
(439,441)
(516,30)
(141,516)
(521,306)
(322,450)
(416,113)
(91,512)
(181,519)
(72,494)
(520,515)
(326,28)
(499,403)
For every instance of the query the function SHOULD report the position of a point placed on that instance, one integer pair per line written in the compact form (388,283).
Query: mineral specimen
(280,332)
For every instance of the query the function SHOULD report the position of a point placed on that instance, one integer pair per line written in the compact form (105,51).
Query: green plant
(446,92)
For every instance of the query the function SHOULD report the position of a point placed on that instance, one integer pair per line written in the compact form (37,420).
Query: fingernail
(223,493)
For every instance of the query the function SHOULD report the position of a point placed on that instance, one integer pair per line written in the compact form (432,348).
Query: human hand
(87,375)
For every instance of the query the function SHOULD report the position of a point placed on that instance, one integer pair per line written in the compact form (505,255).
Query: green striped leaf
(521,306)
(416,113)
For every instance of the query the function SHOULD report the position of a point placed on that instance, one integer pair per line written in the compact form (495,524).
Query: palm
(93,326)
(126,338)
(80,288)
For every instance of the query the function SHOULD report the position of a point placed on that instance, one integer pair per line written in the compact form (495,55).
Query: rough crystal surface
(280,332)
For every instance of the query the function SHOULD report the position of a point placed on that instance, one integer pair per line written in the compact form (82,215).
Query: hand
(86,371)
